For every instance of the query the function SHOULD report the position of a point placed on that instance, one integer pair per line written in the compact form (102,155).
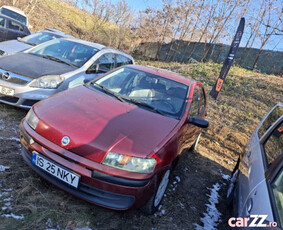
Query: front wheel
(154,202)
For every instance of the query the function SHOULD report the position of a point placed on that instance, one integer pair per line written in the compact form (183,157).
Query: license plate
(7,91)
(55,170)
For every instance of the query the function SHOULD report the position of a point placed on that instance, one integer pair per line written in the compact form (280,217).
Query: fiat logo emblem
(5,76)
(65,140)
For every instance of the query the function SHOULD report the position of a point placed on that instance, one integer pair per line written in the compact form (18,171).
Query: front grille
(14,80)
(9,99)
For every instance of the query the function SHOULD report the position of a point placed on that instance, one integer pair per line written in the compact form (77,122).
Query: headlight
(47,82)
(32,119)
(128,163)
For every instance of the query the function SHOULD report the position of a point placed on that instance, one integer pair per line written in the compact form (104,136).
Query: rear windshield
(40,37)
(14,15)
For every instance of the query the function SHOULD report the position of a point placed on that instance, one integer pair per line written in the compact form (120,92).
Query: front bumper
(96,187)
(24,96)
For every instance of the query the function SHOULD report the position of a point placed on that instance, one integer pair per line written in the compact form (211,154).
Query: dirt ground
(196,194)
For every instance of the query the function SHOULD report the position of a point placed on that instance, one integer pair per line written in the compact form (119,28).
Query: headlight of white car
(129,163)
(47,82)
(32,119)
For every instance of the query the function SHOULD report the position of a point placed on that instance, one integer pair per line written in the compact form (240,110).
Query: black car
(11,28)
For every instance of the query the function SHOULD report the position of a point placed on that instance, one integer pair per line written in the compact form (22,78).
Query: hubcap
(162,187)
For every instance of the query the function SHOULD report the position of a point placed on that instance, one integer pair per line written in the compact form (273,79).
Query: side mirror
(202,123)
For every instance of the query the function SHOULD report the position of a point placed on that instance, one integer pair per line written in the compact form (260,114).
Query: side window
(15,26)
(106,62)
(273,146)
(2,22)
(194,111)
(202,100)
(277,190)
(273,116)
(122,60)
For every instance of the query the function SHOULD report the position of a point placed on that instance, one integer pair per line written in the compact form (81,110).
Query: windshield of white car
(68,51)
(14,15)
(148,91)
(39,37)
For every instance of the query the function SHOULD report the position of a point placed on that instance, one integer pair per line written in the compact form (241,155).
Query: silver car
(27,42)
(56,65)
(257,182)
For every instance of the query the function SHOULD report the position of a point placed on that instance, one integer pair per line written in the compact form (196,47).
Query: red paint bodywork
(97,123)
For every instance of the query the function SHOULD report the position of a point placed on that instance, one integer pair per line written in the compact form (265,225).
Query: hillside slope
(68,18)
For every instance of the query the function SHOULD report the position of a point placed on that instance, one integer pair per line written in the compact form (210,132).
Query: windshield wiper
(144,105)
(109,92)
(56,59)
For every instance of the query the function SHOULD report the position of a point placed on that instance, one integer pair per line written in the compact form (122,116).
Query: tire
(154,202)
(194,146)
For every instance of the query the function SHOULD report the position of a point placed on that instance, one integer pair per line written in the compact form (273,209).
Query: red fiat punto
(114,141)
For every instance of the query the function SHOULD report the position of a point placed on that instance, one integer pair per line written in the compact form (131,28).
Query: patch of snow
(8,189)
(3,168)
(3,194)
(13,216)
(178,179)
(225,177)
(174,182)
(212,215)
(163,212)
(49,223)
(7,204)
(181,205)
(7,199)
(10,139)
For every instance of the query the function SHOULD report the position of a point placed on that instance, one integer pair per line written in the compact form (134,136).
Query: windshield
(146,90)
(67,51)
(38,38)
(13,14)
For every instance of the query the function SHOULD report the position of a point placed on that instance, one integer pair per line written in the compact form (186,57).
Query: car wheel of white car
(154,202)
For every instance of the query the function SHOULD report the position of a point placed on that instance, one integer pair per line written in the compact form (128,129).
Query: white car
(54,66)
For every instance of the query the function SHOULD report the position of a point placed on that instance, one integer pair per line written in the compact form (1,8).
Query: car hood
(14,46)
(97,123)
(33,66)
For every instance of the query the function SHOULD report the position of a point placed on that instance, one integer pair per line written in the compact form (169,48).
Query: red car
(114,141)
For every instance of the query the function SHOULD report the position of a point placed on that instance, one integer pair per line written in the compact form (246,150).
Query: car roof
(50,30)
(92,44)
(15,9)
(162,73)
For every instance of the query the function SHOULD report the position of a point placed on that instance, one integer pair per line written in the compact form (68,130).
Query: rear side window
(273,146)
(106,62)
(122,60)
(15,26)
(2,22)
(273,116)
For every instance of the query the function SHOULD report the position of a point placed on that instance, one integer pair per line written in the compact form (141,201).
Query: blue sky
(276,40)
